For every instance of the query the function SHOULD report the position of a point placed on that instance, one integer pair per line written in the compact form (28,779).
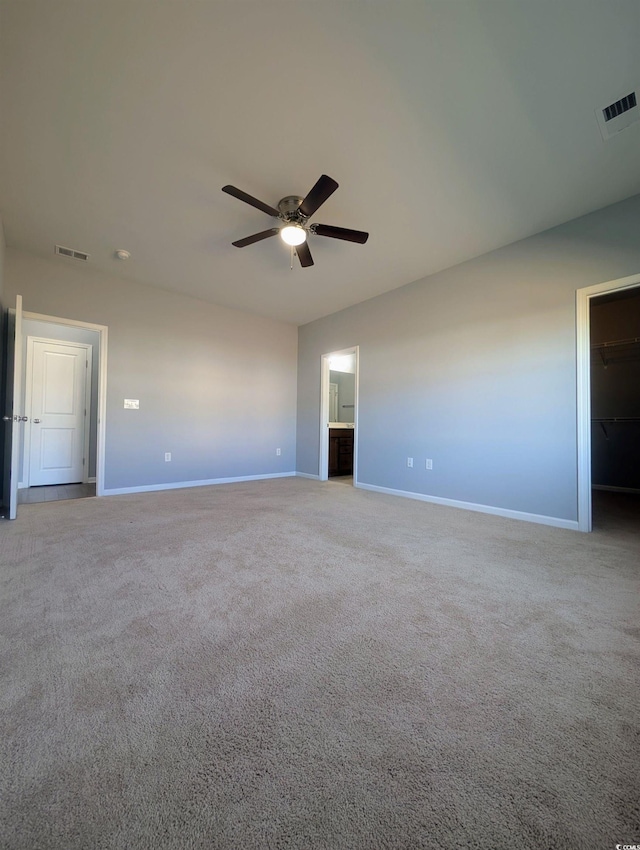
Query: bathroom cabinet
(340,451)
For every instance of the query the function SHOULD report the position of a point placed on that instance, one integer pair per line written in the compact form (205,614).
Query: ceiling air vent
(69,252)
(618,116)
(620,106)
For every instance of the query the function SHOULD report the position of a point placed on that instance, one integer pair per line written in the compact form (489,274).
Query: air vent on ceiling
(618,116)
(620,106)
(69,252)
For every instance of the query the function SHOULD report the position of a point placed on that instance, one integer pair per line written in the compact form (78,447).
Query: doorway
(608,402)
(17,431)
(339,416)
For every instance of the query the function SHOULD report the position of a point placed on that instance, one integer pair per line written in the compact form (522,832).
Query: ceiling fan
(294,214)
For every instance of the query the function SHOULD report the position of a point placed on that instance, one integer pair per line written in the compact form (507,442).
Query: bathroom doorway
(338,416)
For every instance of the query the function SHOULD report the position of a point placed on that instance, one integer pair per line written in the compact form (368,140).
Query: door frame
(13,368)
(583,349)
(103,332)
(26,458)
(323,470)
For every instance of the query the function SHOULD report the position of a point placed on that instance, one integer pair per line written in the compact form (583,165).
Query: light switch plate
(132,404)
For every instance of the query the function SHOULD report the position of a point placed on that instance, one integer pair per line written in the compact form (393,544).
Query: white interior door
(57,374)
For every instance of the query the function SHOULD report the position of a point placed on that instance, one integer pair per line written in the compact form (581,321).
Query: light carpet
(294,664)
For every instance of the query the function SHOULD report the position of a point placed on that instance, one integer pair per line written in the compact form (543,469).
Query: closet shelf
(608,420)
(631,341)
(618,350)
(617,419)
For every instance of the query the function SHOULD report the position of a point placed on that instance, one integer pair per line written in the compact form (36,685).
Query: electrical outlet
(410,462)
(167,457)
(429,464)
(278,452)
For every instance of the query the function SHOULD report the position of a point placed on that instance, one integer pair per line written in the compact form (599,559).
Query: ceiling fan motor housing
(289,209)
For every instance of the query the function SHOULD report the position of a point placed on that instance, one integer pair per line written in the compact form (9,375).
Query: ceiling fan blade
(304,255)
(323,189)
(249,199)
(341,233)
(257,237)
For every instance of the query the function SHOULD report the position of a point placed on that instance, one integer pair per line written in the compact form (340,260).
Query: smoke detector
(123,255)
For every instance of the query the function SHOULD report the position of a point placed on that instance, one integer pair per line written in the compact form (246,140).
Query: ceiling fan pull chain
(292,249)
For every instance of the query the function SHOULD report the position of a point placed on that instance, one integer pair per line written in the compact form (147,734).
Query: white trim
(557,522)
(103,332)
(323,463)
(307,475)
(583,408)
(180,485)
(323,468)
(583,388)
(56,320)
(102,412)
(87,414)
(14,335)
(91,479)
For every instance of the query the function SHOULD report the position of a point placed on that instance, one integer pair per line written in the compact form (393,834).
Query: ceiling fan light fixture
(293,234)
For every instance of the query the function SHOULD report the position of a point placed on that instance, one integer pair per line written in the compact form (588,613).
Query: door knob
(7,418)
(23,418)
(36,420)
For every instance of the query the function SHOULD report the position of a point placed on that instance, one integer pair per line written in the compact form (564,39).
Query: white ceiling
(453,128)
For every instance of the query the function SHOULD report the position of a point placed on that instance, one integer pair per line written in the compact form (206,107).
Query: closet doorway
(609,403)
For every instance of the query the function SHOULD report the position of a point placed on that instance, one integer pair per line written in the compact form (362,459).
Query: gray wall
(65,333)
(217,387)
(481,359)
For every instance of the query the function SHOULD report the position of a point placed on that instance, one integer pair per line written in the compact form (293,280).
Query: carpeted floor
(290,664)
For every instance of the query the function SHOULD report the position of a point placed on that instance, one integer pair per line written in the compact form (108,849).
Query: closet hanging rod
(631,341)
(617,419)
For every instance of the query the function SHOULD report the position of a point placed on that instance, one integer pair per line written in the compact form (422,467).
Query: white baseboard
(307,475)
(557,522)
(179,485)
(91,479)
(615,489)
